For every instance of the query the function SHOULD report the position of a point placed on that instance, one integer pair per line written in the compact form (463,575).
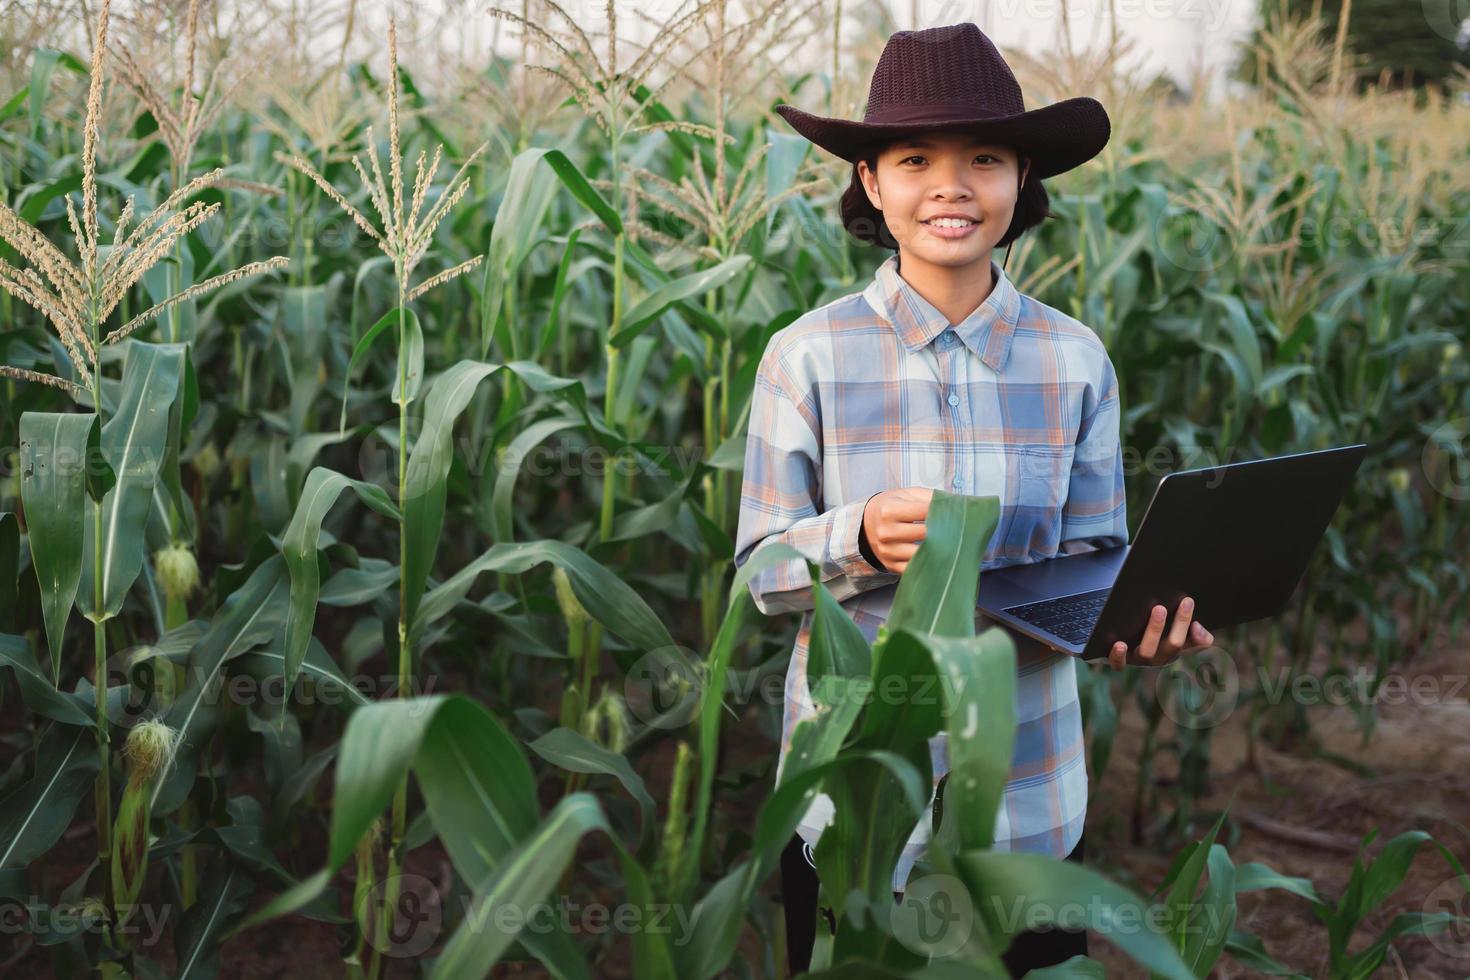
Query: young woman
(939,374)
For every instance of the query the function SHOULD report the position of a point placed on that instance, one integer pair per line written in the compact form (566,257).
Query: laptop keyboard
(1069,617)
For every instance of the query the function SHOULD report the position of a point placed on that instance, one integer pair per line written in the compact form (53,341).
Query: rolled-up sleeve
(1096,512)
(781,500)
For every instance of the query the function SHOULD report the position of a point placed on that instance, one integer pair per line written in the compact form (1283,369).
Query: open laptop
(1237,537)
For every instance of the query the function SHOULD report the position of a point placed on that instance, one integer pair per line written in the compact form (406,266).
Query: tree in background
(1389,43)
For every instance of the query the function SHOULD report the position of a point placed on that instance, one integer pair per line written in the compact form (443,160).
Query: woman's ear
(870,183)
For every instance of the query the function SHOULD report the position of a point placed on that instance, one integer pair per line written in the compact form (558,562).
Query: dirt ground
(1304,815)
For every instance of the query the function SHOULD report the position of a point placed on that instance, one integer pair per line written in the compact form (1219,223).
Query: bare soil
(1305,815)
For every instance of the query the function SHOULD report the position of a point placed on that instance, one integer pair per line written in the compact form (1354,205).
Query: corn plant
(477,788)
(94,564)
(645,229)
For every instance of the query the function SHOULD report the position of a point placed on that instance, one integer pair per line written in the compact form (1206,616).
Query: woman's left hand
(1158,650)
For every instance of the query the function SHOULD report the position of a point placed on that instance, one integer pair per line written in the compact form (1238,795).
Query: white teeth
(950,222)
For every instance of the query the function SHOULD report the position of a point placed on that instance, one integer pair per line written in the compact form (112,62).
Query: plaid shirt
(875,391)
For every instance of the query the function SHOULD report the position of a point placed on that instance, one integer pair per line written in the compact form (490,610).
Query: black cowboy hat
(953,78)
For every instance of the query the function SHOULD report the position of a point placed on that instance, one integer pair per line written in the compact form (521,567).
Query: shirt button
(953,398)
(957,482)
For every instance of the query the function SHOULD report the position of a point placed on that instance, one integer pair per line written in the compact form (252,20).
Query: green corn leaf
(977,684)
(359,351)
(1212,916)
(304,326)
(36,813)
(478,787)
(650,307)
(523,881)
(1248,950)
(558,293)
(426,481)
(100,477)
(1180,900)
(253,614)
(223,895)
(783,161)
(1022,890)
(575,752)
(36,690)
(937,592)
(837,645)
(607,598)
(12,107)
(133,443)
(1076,968)
(408,375)
(1255,876)
(299,546)
(516,230)
(509,467)
(718,918)
(587,195)
(1361,966)
(53,448)
(318,666)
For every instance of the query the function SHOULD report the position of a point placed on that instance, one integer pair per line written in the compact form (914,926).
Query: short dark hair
(865,222)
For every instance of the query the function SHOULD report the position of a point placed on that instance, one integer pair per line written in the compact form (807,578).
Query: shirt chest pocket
(1043,477)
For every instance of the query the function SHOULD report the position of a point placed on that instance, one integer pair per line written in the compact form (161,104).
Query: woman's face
(930,174)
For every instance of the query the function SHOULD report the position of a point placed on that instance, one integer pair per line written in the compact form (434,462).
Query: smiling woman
(867,218)
(946,167)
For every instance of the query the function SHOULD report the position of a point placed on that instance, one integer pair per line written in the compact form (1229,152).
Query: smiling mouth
(950,222)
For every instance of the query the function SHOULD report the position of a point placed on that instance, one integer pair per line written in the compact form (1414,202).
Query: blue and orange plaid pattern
(876,391)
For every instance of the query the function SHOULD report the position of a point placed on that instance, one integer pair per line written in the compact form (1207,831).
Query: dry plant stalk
(405,236)
(317,102)
(598,85)
(725,211)
(180,126)
(512,106)
(78,297)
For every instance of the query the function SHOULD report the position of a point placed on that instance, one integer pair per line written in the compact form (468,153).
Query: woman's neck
(955,291)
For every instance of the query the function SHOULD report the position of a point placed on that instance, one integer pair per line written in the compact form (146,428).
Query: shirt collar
(987,330)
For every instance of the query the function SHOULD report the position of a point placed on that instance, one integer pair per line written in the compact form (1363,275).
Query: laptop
(1237,537)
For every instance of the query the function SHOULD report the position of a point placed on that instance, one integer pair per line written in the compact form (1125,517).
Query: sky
(1168,35)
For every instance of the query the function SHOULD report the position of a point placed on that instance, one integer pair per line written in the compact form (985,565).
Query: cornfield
(367,576)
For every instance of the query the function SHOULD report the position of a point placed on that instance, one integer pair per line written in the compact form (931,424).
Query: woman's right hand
(893,521)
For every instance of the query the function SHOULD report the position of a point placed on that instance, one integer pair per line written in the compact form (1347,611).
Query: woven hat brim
(1056,137)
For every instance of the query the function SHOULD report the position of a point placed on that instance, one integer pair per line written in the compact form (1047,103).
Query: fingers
(1201,637)
(897,507)
(901,532)
(1179,629)
(1156,651)
(897,558)
(1149,645)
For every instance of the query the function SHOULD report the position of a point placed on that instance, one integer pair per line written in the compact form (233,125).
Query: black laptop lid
(1237,537)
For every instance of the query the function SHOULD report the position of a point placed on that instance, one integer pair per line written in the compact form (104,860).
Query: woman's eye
(983,156)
